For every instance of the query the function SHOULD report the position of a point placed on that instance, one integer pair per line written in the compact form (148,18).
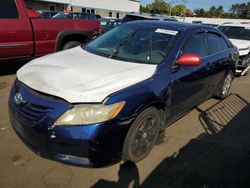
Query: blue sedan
(108,100)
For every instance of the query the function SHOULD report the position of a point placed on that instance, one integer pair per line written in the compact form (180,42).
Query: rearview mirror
(189,60)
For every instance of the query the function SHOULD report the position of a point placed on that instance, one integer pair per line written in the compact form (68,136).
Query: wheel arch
(160,107)
(64,37)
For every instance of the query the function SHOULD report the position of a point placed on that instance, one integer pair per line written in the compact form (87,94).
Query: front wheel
(226,85)
(142,135)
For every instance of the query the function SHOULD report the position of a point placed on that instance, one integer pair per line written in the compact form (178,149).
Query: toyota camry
(108,100)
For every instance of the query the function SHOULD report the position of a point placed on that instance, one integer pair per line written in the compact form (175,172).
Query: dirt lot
(209,147)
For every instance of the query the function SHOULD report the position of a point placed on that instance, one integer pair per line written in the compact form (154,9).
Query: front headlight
(89,114)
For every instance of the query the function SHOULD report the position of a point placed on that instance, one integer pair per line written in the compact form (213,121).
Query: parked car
(98,16)
(239,35)
(206,24)
(108,24)
(96,104)
(210,24)
(197,22)
(24,37)
(146,16)
(47,13)
(75,15)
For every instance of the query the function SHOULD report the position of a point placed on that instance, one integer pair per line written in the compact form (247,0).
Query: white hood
(240,43)
(79,76)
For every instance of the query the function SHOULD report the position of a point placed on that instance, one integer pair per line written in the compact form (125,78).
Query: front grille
(28,113)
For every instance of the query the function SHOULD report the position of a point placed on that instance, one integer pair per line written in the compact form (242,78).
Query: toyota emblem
(18,98)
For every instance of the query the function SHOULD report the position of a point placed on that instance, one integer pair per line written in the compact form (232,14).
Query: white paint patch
(166,31)
(82,77)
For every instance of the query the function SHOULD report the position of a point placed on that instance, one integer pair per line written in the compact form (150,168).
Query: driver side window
(195,45)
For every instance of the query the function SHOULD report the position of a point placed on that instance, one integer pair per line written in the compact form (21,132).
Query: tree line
(236,11)
(161,7)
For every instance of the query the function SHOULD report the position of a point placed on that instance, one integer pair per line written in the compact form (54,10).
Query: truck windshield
(139,45)
(234,32)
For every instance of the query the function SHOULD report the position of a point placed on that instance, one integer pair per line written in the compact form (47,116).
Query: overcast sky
(206,4)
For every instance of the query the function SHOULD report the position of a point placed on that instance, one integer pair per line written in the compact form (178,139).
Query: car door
(219,59)
(189,83)
(15,30)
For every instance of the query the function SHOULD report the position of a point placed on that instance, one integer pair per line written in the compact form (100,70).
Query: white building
(105,8)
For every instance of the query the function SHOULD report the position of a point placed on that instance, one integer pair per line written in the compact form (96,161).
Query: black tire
(225,86)
(236,74)
(70,44)
(142,135)
(247,64)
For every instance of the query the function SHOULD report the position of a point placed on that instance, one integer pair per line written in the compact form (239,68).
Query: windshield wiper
(117,49)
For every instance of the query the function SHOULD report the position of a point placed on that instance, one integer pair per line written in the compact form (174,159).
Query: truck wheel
(70,44)
(225,87)
(142,135)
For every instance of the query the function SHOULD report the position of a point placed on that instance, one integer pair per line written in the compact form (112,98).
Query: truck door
(16,39)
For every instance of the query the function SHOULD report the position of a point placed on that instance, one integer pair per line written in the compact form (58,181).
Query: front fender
(150,92)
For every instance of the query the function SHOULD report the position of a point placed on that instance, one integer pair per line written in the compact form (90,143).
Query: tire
(246,65)
(142,135)
(70,44)
(225,86)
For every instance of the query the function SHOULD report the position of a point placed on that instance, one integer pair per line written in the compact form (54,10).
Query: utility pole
(170,8)
(70,5)
(185,3)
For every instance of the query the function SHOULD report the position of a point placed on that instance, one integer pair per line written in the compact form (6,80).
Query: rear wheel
(70,44)
(142,135)
(226,85)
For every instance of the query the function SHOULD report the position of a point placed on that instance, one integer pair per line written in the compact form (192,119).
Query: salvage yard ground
(209,147)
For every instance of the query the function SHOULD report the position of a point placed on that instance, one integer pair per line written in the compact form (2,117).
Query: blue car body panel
(174,90)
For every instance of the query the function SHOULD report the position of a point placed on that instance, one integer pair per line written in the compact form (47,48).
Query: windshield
(235,32)
(126,43)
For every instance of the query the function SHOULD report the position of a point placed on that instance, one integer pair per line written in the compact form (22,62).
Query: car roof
(236,25)
(77,12)
(47,11)
(113,18)
(206,23)
(179,26)
(153,16)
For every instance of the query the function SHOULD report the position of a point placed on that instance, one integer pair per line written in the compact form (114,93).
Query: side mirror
(189,60)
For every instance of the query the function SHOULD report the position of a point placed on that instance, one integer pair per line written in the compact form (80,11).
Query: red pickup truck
(22,36)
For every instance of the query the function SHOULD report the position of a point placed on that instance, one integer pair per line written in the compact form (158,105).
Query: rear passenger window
(195,45)
(216,43)
(8,9)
